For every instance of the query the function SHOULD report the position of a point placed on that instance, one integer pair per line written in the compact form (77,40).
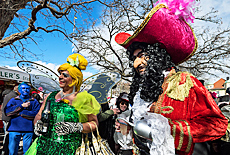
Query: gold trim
(194,49)
(96,91)
(146,20)
(161,98)
(167,107)
(178,91)
(159,103)
(181,135)
(174,129)
(144,23)
(189,138)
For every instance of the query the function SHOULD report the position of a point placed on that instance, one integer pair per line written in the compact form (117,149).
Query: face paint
(24,90)
(65,75)
(64,79)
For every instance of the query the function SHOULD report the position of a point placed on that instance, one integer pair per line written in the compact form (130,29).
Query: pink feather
(182,8)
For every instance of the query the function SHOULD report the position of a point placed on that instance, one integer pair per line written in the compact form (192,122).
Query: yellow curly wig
(75,72)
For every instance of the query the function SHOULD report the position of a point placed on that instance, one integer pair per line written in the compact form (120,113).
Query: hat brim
(162,27)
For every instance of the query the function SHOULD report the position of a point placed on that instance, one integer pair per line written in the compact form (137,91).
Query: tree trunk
(8,8)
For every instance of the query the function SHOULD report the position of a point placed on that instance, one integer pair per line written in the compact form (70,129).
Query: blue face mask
(25,91)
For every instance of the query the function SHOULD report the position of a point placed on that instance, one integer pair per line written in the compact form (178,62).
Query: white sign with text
(10,74)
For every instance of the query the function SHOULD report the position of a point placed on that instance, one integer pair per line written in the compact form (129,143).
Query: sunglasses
(124,103)
(65,75)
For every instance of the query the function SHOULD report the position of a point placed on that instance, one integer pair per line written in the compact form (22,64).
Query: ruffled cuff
(162,140)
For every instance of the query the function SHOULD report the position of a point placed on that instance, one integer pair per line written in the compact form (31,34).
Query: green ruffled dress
(50,144)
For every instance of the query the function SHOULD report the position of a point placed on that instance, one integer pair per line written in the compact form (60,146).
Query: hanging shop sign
(10,74)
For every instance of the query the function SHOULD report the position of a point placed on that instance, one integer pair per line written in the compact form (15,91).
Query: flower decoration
(74,62)
(40,89)
(181,8)
(64,100)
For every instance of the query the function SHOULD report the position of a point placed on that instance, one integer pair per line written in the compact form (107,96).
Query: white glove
(38,128)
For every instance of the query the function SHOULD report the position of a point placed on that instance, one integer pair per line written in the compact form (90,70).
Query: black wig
(152,80)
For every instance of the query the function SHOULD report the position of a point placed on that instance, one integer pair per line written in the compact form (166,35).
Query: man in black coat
(6,119)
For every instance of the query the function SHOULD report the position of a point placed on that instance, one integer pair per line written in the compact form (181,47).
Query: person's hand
(115,111)
(152,107)
(117,126)
(38,127)
(26,104)
(64,128)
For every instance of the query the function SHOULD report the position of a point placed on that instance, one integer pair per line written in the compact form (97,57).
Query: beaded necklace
(66,95)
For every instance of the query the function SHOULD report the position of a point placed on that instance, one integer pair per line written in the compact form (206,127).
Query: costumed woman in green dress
(76,109)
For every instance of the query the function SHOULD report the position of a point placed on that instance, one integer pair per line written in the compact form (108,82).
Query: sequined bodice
(53,143)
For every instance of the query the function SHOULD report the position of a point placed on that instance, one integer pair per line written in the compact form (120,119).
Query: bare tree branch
(50,10)
(211,54)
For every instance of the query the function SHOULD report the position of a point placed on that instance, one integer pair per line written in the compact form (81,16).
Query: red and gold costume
(193,115)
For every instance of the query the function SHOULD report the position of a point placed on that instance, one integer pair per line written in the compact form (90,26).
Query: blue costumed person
(22,110)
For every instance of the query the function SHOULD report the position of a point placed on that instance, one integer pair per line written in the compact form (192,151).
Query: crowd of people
(205,124)
(166,112)
(22,111)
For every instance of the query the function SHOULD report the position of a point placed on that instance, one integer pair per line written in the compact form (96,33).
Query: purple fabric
(174,33)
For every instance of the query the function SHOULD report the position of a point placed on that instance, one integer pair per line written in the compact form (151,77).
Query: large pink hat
(163,26)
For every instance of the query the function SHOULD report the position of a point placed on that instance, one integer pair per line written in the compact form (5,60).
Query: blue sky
(56,48)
